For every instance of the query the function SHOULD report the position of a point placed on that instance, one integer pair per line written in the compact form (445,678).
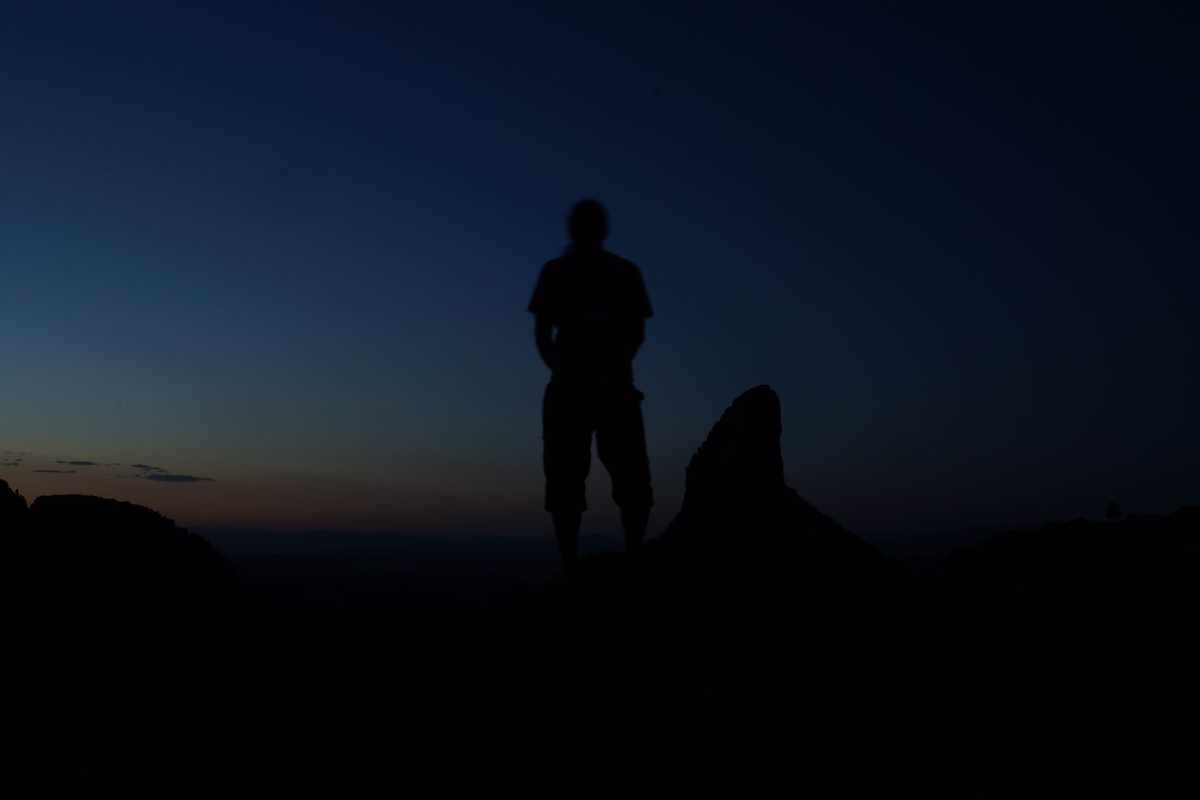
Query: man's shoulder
(568,262)
(552,271)
(621,264)
(560,266)
(620,260)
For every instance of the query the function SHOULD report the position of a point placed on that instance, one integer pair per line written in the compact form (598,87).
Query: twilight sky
(288,247)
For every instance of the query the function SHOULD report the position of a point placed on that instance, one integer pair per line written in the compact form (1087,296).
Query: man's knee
(633,496)
(565,496)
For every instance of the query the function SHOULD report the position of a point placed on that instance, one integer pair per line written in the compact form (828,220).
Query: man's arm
(639,308)
(637,335)
(543,329)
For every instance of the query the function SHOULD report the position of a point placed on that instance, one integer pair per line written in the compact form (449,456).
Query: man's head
(588,224)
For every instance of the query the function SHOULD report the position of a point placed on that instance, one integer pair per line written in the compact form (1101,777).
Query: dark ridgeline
(1078,650)
(116,631)
(148,551)
(755,641)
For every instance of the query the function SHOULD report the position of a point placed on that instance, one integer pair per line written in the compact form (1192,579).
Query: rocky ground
(755,641)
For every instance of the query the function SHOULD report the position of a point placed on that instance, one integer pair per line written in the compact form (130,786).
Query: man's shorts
(571,412)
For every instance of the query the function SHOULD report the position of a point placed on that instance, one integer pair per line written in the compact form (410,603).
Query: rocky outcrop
(748,620)
(113,618)
(740,465)
(138,540)
(12,508)
(740,518)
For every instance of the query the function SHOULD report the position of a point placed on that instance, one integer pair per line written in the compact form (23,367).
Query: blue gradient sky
(289,246)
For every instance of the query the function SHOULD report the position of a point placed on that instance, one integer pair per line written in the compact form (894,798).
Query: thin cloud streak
(167,477)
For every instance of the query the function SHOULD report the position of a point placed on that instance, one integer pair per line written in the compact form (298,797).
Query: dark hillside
(755,640)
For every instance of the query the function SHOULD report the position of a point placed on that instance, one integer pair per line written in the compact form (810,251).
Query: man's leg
(621,446)
(566,459)
(633,523)
(566,531)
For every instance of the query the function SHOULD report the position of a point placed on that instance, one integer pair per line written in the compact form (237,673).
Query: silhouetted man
(597,304)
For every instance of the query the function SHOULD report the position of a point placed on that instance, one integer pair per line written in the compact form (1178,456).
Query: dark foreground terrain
(756,641)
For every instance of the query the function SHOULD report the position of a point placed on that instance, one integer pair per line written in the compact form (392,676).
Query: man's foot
(566,531)
(634,522)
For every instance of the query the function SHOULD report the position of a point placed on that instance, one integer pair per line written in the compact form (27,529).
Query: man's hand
(543,330)
(637,336)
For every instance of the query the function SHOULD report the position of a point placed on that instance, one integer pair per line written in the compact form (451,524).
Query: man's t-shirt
(598,302)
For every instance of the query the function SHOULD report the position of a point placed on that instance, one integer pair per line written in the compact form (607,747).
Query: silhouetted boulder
(132,535)
(12,508)
(1096,573)
(742,523)
(1079,638)
(740,464)
(117,628)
